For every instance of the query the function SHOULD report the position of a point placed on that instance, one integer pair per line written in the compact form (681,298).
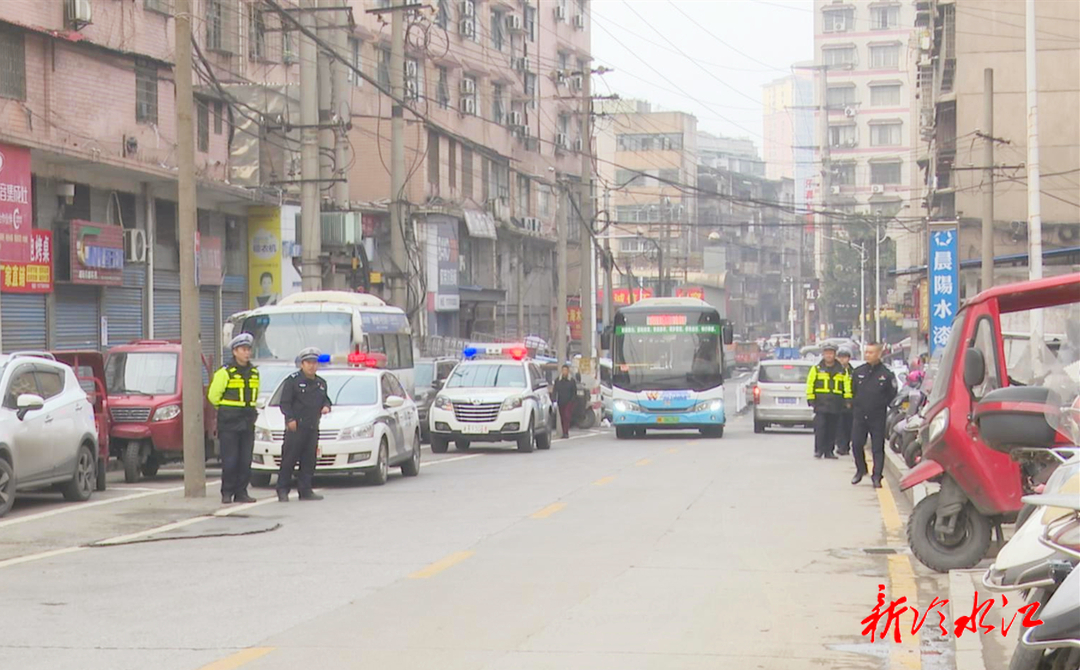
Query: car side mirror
(28,402)
(727,333)
(974,368)
(393,402)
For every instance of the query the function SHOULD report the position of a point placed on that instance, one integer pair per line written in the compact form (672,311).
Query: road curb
(962,590)
(897,468)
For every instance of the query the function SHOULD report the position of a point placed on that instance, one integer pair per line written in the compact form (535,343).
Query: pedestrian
(304,401)
(843,428)
(874,388)
(233,391)
(827,388)
(565,397)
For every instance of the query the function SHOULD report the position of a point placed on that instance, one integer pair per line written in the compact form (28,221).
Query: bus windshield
(281,335)
(679,354)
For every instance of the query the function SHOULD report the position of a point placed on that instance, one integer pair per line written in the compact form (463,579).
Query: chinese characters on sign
(690,292)
(97,254)
(36,275)
(943,287)
(621,296)
(211,266)
(885,621)
(689,329)
(573,318)
(16,204)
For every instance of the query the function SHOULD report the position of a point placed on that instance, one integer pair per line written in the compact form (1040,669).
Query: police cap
(844,351)
(828,346)
(241,340)
(309,354)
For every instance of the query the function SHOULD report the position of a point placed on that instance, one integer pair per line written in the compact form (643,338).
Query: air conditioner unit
(579,21)
(514,119)
(575,83)
(468,8)
(579,145)
(521,63)
(560,77)
(411,89)
(467,28)
(411,69)
(560,12)
(468,106)
(531,224)
(849,111)
(561,140)
(835,190)
(524,132)
(877,188)
(135,245)
(79,13)
(514,23)
(468,86)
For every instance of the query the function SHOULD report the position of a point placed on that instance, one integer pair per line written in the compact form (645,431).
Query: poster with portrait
(264,255)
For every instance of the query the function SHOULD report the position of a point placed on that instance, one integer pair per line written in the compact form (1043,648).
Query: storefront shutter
(78,323)
(166,305)
(124,306)
(23,318)
(207,335)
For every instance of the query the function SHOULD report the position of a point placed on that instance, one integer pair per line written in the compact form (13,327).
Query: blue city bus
(668,367)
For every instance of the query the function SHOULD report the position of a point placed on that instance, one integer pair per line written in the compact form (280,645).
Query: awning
(480,224)
(481,294)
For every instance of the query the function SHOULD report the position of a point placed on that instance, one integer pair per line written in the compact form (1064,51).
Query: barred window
(12,63)
(353,73)
(146,91)
(256,33)
(202,109)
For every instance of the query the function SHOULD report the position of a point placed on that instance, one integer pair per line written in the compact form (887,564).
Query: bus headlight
(714,405)
(627,406)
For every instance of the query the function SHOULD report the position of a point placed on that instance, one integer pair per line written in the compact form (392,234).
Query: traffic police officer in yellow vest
(233,391)
(828,390)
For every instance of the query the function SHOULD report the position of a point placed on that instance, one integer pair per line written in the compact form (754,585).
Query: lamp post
(862,280)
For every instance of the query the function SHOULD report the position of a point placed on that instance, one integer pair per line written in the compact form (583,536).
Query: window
(838,56)
(564,61)
(530,22)
(433,160)
(218,112)
(497,27)
(544,198)
(202,113)
(668,175)
(885,134)
(625,178)
(414,82)
(442,14)
(466,97)
(219,26)
(885,57)
(839,20)
(524,195)
(352,73)
(487,375)
(451,161)
(655,142)
(564,124)
(500,177)
(885,95)
(12,63)
(498,115)
(885,173)
(466,172)
(839,97)
(256,33)
(288,48)
(842,136)
(632,245)
(50,383)
(384,68)
(530,84)
(21,381)
(986,343)
(844,174)
(443,91)
(162,6)
(146,91)
(884,18)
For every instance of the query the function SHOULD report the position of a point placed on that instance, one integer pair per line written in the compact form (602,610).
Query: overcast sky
(718,76)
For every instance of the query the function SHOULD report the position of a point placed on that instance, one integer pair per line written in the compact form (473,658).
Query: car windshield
(943,367)
(783,374)
(141,373)
(346,391)
(667,357)
(281,335)
(271,375)
(493,375)
(424,375)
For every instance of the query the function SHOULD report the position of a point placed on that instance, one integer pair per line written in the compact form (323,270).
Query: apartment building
(958,41)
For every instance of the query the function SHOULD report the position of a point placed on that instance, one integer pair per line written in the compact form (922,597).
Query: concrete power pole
(192,408)
(609,288)
(988,180)
(560,271)
(588,250)
(310,210)
(399,288)
(1035,260)
(341,106)
(824,226)
(326,31)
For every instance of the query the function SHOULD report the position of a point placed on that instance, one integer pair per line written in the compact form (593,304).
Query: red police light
(518,353)
(357,358)
(376,360)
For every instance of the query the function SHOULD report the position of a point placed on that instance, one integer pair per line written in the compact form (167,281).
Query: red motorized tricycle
(981,488)
(89,367)
(145,379)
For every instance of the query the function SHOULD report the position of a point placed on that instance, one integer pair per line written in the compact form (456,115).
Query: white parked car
(492,398)
(372,427)
(47,431)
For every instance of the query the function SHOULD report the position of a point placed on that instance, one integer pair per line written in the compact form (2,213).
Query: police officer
(233,391)
(827,389)
(843,428)
(303,402)
(874,388)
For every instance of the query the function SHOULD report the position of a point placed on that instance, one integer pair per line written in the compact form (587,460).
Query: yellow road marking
(238,659)
(440,565)
(549,510)
(604,481)
(644,461)
(673,450)
(901,581)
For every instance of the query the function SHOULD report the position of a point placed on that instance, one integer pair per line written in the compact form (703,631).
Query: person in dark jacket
(828,387)
(565,397)
(843,426)
(304,401)
(233,391)
(874,388)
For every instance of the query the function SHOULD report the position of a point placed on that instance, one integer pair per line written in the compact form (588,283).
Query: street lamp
(862,280)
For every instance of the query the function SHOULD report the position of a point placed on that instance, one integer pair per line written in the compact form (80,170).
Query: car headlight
(444,403)
(358,432)
(937,426)
(263,435)
(511,403)
(167,412)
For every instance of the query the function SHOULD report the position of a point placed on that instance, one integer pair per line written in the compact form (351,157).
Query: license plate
(786,401)
(474,429)
(667,419)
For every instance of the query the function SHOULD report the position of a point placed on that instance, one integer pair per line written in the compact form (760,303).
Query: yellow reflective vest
(229,388)
(831,382)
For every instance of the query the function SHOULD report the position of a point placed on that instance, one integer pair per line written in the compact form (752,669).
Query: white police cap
(309,354)
(241,340)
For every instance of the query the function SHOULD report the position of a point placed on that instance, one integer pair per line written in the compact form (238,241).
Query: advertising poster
(264,255)
(97,254)
(16,204)
(573,317)
(944,286)
(36,276)
(447,297)
(211,260)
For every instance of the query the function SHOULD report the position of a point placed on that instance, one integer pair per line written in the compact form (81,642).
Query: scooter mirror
(974,368)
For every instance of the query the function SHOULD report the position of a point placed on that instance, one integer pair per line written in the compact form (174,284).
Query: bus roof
(652,304)
(344,297)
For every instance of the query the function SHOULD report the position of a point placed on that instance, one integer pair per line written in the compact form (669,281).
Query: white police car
(372,426)
(496,394)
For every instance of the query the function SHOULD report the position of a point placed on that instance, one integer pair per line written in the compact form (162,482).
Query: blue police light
(324,358)
(469,352)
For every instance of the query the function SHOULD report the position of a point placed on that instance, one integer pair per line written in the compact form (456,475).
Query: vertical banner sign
(944,285)
(264,255)
(97,254)
(573,317)
(36,276)
(16,208)
(211,260)
(447,263)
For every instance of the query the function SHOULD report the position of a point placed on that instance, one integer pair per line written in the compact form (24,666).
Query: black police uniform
(843,427)
(233,391)
(874,388)
(302,401)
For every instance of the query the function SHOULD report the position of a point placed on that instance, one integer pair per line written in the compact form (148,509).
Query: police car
(495,394)
(372,426)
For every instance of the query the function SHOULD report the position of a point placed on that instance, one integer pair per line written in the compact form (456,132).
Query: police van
(497,393)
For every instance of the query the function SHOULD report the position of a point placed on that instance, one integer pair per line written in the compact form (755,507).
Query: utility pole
(609,288)
(988,180)
(341,108)
(1035,260)
(560,271)
(519,289)
(878,239)
(588,250)
(310,209)
(190,350)
(399,288)
(325,31)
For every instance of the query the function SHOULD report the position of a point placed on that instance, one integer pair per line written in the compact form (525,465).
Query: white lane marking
(67,509)
(37,557)
(451,460)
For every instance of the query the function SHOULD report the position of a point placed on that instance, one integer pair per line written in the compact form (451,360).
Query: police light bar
(357,359)
(515,351)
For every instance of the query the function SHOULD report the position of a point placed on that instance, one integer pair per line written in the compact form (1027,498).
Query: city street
(667,552)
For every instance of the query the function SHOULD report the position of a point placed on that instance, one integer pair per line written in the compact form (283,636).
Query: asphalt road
(672,551)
